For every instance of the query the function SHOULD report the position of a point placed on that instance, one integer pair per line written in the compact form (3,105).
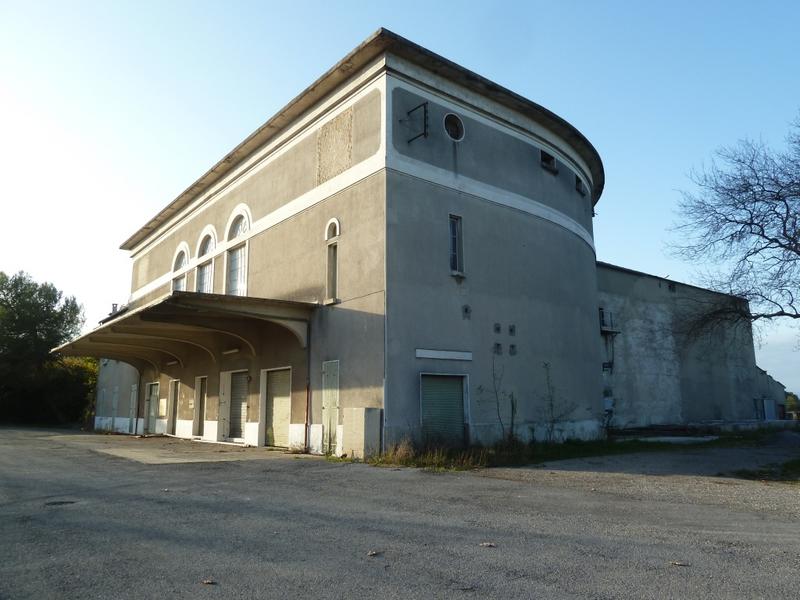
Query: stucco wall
(521,271)
(488,153)
(307,161)
(661,368)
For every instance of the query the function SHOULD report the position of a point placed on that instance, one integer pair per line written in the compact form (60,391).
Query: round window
(454,127)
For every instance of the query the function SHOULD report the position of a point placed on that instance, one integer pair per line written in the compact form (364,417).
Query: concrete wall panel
(532,278)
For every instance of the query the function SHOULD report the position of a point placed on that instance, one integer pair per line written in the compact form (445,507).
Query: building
(404,250)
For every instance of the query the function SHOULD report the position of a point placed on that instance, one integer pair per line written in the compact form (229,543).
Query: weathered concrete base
(339,440)
(361,436)
(184,428)
(749,425)
(297,437)
(115,424)
(586,429)
(315,439)
(210,432)
(251,435)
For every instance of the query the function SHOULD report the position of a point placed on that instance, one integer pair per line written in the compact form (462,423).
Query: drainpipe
(308,386)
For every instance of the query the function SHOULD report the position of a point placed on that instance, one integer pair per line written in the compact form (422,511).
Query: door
(238,404)
(201,406)
(278,407)
(442,408)
(174,388)
(330,405)
(152,401)
(132,408)
(114,407)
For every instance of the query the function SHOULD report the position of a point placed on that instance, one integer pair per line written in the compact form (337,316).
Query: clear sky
(108,110)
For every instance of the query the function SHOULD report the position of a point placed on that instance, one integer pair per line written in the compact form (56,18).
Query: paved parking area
(164,450)
(77,520)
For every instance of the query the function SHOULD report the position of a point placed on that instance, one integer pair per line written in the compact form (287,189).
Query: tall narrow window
(333,272)
(332,231)
(237,259)
(179,282)
(205,282)
(456,246)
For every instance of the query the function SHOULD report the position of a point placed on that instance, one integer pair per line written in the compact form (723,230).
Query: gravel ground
(79,521)
(693,475)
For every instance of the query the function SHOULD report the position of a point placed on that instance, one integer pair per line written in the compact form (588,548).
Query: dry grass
(516,453)
(432,458)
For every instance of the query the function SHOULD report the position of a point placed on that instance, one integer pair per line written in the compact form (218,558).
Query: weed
(788,472)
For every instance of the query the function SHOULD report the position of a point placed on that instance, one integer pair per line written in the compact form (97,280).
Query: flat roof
(643,274)
(380,42)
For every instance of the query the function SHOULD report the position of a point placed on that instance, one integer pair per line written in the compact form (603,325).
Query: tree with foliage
(35,385)
(792,403)
(744,217)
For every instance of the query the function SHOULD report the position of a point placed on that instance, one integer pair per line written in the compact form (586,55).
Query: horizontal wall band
(443,354)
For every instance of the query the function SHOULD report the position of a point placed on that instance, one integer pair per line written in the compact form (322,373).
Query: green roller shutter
(443,409)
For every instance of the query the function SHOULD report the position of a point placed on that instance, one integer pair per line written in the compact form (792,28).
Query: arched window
(332,231)
(236,280)
(179,282)
(205,270)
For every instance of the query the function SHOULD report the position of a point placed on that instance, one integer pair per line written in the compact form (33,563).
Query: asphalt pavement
(89,516)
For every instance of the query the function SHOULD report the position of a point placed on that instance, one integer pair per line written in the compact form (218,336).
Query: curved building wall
(525,310)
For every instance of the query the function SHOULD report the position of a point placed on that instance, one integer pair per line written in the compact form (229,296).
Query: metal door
(114,407)
(238,405)
(442,408)
(201,406)
(330,405)
(174,388)
(152,400)
(132,412)
(279,407)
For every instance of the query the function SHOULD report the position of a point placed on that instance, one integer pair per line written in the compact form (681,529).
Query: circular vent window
(454,127)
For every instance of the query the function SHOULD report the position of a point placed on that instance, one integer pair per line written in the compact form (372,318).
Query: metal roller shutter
(279,407)
(443,409)
(238,404)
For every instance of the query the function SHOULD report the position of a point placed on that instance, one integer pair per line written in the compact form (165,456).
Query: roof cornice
(381,42)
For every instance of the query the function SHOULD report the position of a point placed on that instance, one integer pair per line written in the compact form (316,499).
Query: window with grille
(179,283)
(237,259)
(205,282)
(456,246)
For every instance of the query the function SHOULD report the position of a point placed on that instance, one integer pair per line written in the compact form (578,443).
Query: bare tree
(498,396)
(555,412)
(744,218)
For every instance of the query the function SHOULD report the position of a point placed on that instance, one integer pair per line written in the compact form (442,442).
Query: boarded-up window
(335,146)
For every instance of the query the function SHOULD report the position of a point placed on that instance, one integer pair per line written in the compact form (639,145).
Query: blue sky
(108,110)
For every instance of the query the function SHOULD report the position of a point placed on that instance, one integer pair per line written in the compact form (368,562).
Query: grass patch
(515,454)
(508,454)
(788,472)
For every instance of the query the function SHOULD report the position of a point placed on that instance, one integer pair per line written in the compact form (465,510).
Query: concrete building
(404,250)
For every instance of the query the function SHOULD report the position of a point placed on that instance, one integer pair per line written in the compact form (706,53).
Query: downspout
(308,386)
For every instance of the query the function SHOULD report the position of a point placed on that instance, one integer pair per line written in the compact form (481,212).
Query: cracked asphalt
(90,516)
